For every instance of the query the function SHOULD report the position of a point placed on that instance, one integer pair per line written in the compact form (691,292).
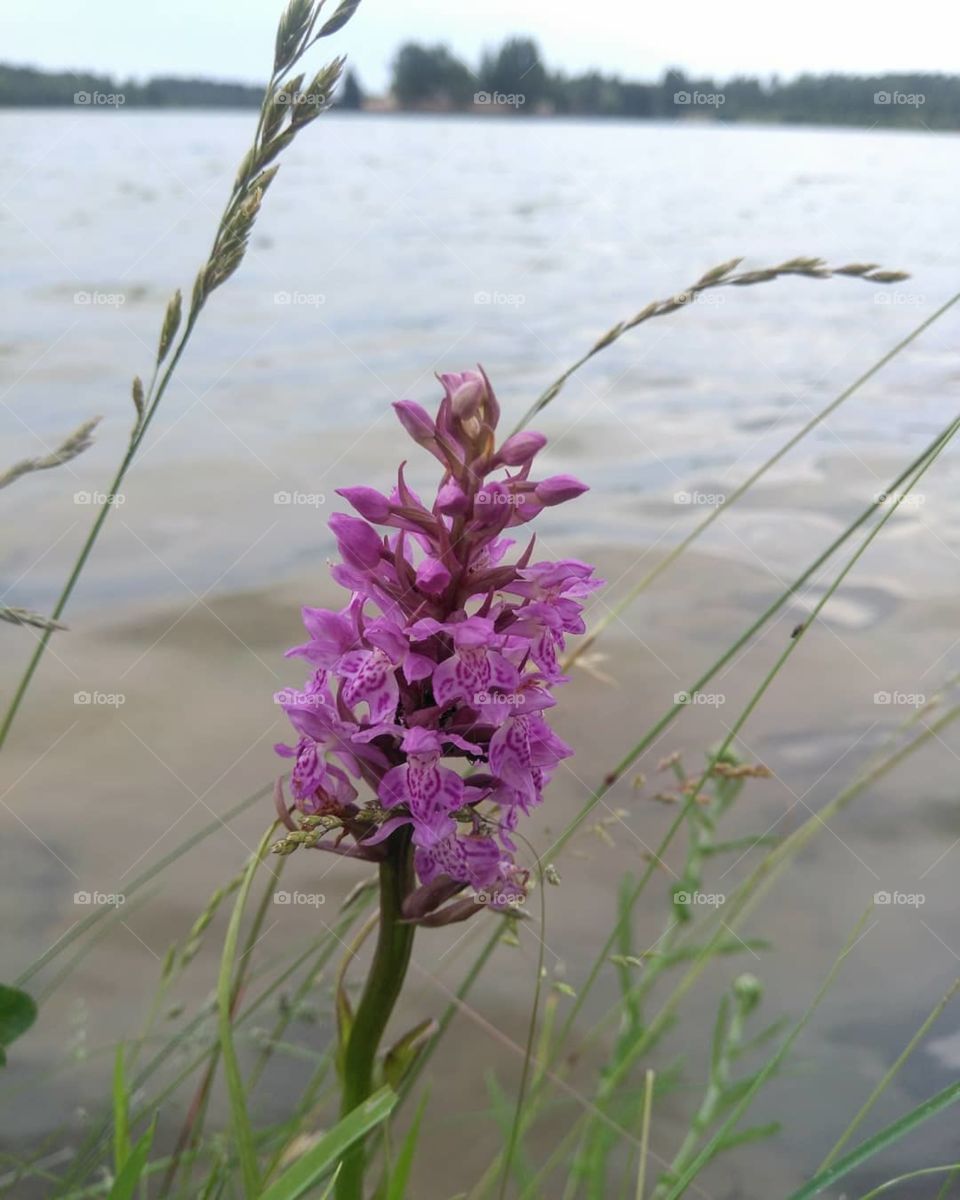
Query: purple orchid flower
(446,655)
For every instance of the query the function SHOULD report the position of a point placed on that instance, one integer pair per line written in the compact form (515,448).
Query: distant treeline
(514,79)
(33,88)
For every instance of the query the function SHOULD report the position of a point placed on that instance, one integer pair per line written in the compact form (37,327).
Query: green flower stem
(380,993)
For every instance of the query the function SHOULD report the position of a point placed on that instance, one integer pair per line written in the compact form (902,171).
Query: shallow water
(398,224)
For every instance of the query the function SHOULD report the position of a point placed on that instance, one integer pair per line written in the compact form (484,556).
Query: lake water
(390,248)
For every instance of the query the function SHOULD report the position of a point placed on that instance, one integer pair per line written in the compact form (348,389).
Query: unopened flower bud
(559,488)
(518,450)
(432,576)
(468,396)
(452,499)
(369,503)
(359,544)
(748,990)
(416,421)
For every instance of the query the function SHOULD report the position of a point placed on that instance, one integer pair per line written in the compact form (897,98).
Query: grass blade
(888,1077)
(307,1171)
(953,1167)
(121,1114)
(125,1185)
(645,1133)
(242,1131)
(399,1176)
(880,1141)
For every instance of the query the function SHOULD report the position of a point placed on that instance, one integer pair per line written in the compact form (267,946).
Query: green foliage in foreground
(17,1013)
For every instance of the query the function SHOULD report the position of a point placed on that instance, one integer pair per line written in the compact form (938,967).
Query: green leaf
(328,1152)
(121,1115)
(754,1134)
(733,1093)
(17,1013)
(242,1130)
(744,843)
(718,1045)
(880,1141)
(344,1025)
(696,950)
(397,1183)
(406,1050)
(125,1184)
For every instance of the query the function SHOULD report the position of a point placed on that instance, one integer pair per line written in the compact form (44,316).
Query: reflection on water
(394,247)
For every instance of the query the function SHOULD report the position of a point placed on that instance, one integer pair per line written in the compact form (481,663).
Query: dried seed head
(344,12)
(718,273)
(291,33)
(171,323)
(137,393)
(23,616)
(69,448)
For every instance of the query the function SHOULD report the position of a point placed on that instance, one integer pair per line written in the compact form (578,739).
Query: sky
(232,39)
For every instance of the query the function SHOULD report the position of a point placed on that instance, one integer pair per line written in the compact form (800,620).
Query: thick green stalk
(380,992)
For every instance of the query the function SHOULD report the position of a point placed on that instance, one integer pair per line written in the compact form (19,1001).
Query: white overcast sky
(231,39)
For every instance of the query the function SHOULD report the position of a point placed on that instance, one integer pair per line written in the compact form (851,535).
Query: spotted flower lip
(432,685)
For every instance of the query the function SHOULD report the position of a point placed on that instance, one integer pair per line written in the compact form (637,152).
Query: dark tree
(430,76)
(350,95)
(515,69)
